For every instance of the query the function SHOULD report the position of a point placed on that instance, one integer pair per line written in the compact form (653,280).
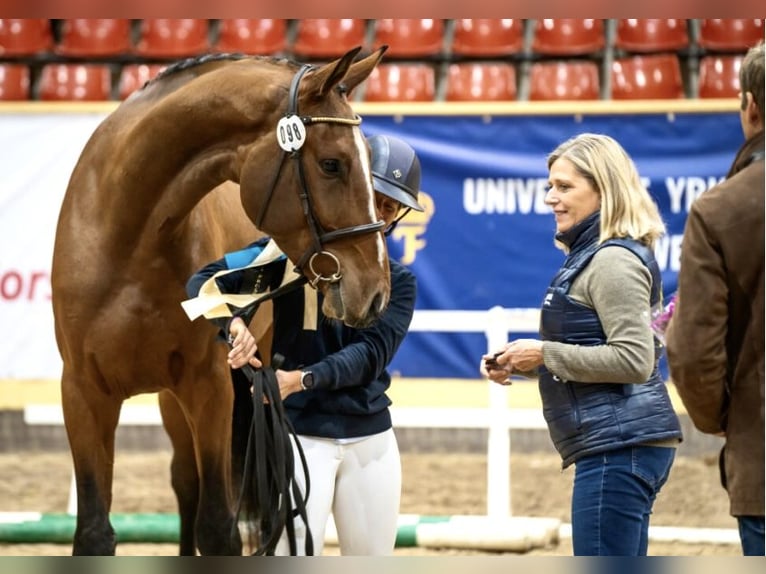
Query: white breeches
(360,482)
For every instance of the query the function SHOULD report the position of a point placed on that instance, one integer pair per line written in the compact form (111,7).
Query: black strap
(292,109)
(269,468)
(271,188)
(248,311)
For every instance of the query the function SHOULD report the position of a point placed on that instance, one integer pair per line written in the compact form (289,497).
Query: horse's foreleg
(183,470)
(217,522)
(91,420)
(208,415)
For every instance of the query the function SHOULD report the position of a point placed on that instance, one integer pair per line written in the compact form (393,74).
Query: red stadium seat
(95,37)
(410,37)
(651,35)
(328,37)
(719,76)
(481,81)
(14,82)
(647,78)
(568,36)
(83,82)
(134,76)
(25,36)
(732,34)
(576,80)
(173,38)
(487,36)
(252,35)
(401,83)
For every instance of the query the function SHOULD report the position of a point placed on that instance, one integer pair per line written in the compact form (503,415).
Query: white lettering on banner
(667,252)
(511,195)
(684,190)
(27,285)
(31,193)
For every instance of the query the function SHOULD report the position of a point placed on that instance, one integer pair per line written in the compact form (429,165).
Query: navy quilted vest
(587,418)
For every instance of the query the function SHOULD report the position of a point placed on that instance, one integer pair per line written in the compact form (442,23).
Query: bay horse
(179,173)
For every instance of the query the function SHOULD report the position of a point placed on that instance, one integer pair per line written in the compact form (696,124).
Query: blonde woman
(606,405)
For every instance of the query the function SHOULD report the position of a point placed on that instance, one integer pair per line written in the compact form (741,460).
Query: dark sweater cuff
(322,375)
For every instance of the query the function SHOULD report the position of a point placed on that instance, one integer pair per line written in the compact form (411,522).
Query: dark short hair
(751,77)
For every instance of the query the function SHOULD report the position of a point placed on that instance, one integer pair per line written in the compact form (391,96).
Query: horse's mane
(193,62)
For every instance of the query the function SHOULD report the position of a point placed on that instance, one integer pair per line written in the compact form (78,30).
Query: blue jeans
(612,499)
(751,533)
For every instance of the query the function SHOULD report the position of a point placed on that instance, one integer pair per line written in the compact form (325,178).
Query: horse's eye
(331,166)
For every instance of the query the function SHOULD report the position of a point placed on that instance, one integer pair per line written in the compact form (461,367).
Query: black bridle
(291,130)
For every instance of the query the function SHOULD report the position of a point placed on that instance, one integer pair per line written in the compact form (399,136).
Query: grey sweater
(617,285)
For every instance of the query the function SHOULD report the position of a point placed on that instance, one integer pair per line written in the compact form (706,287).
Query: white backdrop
(37,155)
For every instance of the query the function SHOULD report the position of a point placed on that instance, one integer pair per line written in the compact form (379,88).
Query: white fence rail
(495,323)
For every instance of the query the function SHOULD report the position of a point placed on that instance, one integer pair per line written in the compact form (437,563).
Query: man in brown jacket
(715,340)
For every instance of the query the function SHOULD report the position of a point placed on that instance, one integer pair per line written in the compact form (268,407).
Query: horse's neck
(171,158)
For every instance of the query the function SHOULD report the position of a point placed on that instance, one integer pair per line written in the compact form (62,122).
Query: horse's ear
(330,75)
(343,70)
(359,71)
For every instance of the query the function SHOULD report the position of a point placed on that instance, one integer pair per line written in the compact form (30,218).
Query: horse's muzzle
(335,307)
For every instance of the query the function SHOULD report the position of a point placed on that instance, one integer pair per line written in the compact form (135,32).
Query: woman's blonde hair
(627,209)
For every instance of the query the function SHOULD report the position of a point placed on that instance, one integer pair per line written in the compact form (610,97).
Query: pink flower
(661,317)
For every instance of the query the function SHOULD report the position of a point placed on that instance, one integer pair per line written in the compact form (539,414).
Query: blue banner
(486,237)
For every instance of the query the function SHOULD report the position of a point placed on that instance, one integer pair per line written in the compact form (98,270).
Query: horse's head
(314,195)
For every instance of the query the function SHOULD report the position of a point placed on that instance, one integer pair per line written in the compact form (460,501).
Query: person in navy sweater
(333,380)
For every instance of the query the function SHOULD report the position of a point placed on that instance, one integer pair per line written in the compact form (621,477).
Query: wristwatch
(307,380)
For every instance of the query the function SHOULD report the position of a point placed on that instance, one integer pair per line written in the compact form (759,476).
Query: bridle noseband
(291,134)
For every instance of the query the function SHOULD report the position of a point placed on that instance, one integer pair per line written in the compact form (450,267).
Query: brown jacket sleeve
(696,336)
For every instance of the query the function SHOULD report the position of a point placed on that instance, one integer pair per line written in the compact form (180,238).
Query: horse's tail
(263,463)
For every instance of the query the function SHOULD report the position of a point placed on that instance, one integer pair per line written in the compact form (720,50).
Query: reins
(274,489)
(268,442)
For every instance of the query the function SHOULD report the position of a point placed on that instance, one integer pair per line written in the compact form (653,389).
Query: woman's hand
(519,356)
(524,355)
(289,382)
(243,346)
(496,367)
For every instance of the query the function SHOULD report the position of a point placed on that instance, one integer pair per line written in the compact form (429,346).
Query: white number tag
(291,133)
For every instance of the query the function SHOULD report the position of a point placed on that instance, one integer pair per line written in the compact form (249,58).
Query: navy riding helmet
(396,170)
